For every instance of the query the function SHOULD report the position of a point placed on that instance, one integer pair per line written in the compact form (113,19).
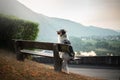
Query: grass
(11,69)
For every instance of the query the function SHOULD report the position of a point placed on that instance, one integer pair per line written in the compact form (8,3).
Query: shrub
(13,28)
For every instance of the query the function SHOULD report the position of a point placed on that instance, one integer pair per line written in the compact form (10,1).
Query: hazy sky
(101,13)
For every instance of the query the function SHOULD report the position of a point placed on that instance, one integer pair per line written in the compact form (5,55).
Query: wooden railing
(56,47)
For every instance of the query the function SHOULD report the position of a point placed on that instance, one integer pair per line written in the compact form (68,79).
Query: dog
(62,38)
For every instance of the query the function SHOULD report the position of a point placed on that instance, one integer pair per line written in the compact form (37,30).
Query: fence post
(57,59)
(20,56)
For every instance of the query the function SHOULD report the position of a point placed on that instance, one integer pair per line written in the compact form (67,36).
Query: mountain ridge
(49,25)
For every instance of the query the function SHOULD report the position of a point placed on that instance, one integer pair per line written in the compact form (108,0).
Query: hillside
(48,25)
(11,69)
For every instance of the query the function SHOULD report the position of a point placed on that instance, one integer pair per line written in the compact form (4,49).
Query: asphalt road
(108,73)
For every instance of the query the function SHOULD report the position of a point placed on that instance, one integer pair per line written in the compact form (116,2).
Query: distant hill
(49,25)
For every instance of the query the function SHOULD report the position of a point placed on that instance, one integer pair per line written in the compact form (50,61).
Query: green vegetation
(101,46)
(14,28)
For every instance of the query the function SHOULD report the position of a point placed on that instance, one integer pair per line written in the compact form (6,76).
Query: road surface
(96,71)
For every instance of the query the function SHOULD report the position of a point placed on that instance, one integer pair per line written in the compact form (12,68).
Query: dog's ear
(63,31)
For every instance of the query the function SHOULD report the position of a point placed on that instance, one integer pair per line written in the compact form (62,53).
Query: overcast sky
(101,13)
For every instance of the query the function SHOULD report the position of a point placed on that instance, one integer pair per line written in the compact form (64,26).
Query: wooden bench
(28,44)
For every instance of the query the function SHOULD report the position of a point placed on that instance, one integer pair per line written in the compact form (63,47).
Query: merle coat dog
(62,38)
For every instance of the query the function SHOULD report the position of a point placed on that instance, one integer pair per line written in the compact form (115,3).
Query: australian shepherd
(62,38)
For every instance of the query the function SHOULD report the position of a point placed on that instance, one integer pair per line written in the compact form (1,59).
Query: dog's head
(61,32)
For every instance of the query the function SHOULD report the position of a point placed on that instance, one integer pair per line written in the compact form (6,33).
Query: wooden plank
(27,44)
